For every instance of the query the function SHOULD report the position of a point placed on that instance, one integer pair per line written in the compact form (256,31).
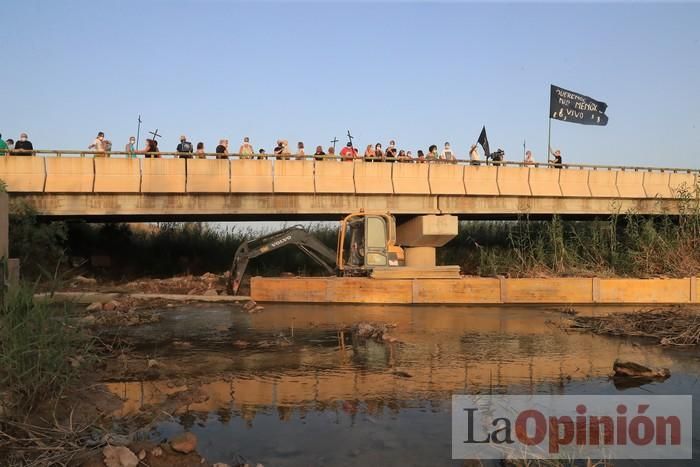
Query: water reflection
(240,375)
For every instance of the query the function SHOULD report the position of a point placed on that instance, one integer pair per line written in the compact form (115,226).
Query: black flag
(576,108)
(484,142)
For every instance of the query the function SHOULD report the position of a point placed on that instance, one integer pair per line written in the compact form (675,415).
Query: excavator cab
(366,241)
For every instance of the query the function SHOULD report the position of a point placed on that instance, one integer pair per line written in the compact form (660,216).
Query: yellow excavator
(366,246)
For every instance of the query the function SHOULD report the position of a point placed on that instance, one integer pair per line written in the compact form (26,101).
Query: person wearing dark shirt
(318,155)
(151,149)
(23,147)
(391,152)
(222,149)
(556,158)
(184,148)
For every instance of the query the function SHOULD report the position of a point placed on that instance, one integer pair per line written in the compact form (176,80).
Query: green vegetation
(40,349)
(40,246)
(620,245)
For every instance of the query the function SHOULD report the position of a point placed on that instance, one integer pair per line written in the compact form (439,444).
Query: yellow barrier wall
(117,175)
(366,290)
(467,290)
(275,289)
(446,179)
(548,290)
(410,178)
(656,184)
(163,175)
(630,184)
(603,183)
(681,182)
(544,181)
(480,180)
(292,176)
(23,174)
(208,176)
(69,174)
(334,177)
(644,291)
(373,177)
(475,290)
(574,182)
(513,181)
(251,176)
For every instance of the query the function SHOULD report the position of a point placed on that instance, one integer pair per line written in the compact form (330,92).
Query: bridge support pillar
(420,257)
(430,230)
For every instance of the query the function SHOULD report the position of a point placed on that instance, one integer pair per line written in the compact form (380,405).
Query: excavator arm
(295,235)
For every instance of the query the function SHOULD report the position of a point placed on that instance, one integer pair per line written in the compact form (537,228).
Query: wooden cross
(334,140)
(155,134)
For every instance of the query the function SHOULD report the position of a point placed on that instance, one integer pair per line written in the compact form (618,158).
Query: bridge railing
(71,171)
(326,157)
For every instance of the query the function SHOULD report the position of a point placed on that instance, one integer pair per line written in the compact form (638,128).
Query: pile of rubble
(180,450)
(206,284)
(376,331)
(118,313)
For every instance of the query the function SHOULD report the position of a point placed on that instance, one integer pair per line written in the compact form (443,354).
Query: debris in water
(377,331)
(635,370)
(668,326)
(249,305)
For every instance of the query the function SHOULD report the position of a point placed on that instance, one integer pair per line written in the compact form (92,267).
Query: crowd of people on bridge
(102,147)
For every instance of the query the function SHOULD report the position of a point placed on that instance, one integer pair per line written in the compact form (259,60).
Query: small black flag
(484,142)
(572,107)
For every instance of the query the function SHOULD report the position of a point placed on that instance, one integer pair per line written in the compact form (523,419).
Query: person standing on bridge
(369,154)
(319,154)
(98,145)
(222,149)
(151,149)
(528,160)
(448,154)
(246,150)
(555,160)
(184,148)
(391,152)
(432,153)
(3,147)
(130,148)
(300,151)
(379,155)
(23,147)
(474,155)
(200,151)
(348,153)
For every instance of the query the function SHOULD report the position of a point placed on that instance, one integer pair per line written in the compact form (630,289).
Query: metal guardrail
(176,155)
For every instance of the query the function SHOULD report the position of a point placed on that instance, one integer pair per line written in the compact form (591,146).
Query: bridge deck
(142,189)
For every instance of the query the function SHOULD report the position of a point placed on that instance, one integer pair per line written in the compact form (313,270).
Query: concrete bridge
(122,189)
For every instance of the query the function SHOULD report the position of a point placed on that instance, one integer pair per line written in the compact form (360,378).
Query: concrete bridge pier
(421,235)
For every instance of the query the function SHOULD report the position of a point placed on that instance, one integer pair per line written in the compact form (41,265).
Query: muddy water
(287,387)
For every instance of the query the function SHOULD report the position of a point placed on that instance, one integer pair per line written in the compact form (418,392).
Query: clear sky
(418,72)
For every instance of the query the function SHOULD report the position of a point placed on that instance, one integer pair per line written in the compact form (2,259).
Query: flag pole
(549,139)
